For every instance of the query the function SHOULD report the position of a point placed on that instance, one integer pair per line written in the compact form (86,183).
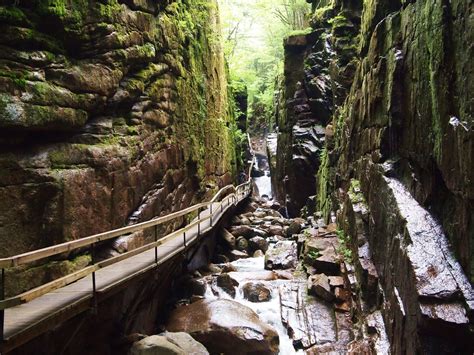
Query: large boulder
(237,254)
(318,285)
(242,244)
(155,345)
(225,326)
(282,256)
(168,344)
(243,230)
(256,292)
(228,238)
(294,227)
(276,230)
(227,283)
(258,243)
(186,342)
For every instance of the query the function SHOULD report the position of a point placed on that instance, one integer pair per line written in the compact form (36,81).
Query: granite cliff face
(111,112)
(319,68)
(379,117)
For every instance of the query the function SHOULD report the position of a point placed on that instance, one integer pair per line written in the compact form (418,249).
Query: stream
(262,176)
(269,312)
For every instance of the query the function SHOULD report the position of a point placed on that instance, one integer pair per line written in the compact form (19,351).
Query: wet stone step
(309,321)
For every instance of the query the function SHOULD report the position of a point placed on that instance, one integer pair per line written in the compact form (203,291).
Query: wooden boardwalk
(28,320)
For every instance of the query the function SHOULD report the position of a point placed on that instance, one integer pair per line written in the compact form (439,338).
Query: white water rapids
(269,312)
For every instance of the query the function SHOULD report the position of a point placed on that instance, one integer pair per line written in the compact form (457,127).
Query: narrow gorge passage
(261,174)
(311,162)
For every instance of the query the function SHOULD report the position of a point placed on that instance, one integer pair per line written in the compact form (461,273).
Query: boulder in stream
(276,230)
(225,326)
(258,254)
(228,238)
(258,243)
(242,244)
(256,292)
(282,256)
(237,254)
(245,221)
(243,230)
(318,285)
(227,283)
(168,344)
(294,227)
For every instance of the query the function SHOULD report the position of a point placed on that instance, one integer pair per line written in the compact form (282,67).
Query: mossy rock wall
(111,112)
(398,120)
(405,132)
(319,69)
(410,106)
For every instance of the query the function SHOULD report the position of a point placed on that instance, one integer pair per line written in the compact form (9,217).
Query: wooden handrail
(43,253)
(63,281)
(221,191)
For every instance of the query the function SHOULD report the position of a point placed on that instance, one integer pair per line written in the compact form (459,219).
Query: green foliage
(109,9)
(344,245)
(321,15)
(69,15)
(313,255)
(300,32)
(324,184)
(339,21)
(253,35)
(13,16)
(240,142)
(53,7)
(355,193)
(19,78)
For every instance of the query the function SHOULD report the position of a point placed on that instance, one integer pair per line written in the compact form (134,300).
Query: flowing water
(263,181)
(264,185)
(269,312)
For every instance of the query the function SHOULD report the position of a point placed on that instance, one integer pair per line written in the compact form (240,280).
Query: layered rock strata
(111,112)
(318,72)
(395,160)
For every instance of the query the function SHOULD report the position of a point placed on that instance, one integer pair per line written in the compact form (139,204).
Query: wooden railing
(232,195)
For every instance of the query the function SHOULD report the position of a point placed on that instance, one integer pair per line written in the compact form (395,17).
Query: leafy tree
(254,31)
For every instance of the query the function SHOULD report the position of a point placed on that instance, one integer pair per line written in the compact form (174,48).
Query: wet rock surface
(256,292)
(309,306)
(225,326)
(168,344)
(394,164)
(98,123)
(318,285)
(309,321)
(282,256)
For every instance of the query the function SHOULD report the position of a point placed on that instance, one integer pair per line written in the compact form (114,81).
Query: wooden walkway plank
(29,319)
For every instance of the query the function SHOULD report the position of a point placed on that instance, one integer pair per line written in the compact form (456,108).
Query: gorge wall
(376,120)
(111,112)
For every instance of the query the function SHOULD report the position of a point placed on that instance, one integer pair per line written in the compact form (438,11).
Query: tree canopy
(253,31)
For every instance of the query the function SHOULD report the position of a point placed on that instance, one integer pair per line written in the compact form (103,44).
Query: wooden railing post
(184,240)
(2,312)
(199,222)
(94,286)
(210,209)
(156,246)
